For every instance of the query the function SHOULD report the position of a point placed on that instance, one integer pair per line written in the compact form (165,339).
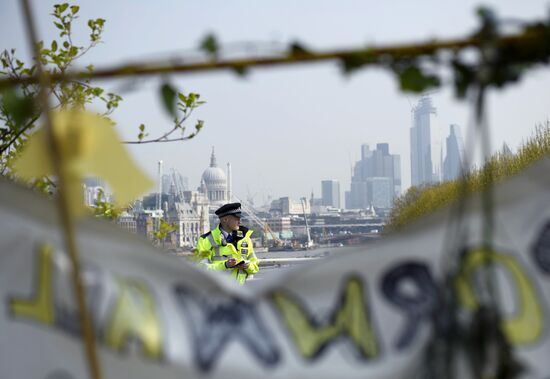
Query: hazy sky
(286,129)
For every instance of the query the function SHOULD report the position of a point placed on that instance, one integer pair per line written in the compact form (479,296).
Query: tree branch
(369,56)
(158,140)
(19,133)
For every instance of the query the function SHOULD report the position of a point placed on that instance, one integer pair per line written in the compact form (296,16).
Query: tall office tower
(330,193)
(426,146)
(396,174)
(455,154)
(376,178)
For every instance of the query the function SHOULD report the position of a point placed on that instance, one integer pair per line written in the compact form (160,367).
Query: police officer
(228,247)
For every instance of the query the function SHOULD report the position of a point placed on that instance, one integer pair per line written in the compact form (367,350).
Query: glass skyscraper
(426,146)
(455,151)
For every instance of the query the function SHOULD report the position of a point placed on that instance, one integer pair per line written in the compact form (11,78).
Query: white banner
(357,314)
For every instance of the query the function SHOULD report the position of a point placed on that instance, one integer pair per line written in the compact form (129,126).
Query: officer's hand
(244,265)
(231,262)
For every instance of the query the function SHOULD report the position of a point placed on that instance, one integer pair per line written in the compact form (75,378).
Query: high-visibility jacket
(213,251)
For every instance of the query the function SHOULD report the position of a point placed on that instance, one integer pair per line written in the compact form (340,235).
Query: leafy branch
(104,208)
(180,107)
(19,110)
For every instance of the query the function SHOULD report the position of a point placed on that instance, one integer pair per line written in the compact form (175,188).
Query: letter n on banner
(349,319)
(135,316)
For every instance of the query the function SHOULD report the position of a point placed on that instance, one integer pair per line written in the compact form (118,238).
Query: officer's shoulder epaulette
(243,229)
(206,234)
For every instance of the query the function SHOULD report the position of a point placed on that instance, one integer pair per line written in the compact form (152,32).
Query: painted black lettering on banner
(215,322)
(417,306)
(541,249)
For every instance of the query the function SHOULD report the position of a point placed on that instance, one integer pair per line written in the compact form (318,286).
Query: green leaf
(97,91)
(354,61)
(199,125)
(66,45)
(73,51)
(59,26)
(240,70)
(210,45)
(168,95)
(464,77)
(20,108)
(63,7)
(142,133)
(297,49)
(414,80)
(191,99)
(75,9)
(54,46)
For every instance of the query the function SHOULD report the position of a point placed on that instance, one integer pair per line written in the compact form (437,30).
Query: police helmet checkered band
(233,209)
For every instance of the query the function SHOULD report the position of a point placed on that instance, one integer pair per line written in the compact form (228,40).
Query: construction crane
(252,214)
(177,185)
(309,241)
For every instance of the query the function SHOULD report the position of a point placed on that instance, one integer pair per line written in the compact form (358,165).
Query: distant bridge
(349,239)
(376,225)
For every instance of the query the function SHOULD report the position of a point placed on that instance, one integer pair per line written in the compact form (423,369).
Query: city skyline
(284,130)
(451,153)
(376,178)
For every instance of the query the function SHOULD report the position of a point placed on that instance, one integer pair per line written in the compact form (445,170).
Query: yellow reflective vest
(213,251)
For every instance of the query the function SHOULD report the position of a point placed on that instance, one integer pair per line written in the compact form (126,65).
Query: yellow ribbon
(89,146)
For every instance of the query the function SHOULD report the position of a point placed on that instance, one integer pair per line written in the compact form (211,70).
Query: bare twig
(88,337)
(188,137)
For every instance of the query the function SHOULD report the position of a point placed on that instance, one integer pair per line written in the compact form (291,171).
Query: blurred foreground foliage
(104,208)
(420,201)
(165,230)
